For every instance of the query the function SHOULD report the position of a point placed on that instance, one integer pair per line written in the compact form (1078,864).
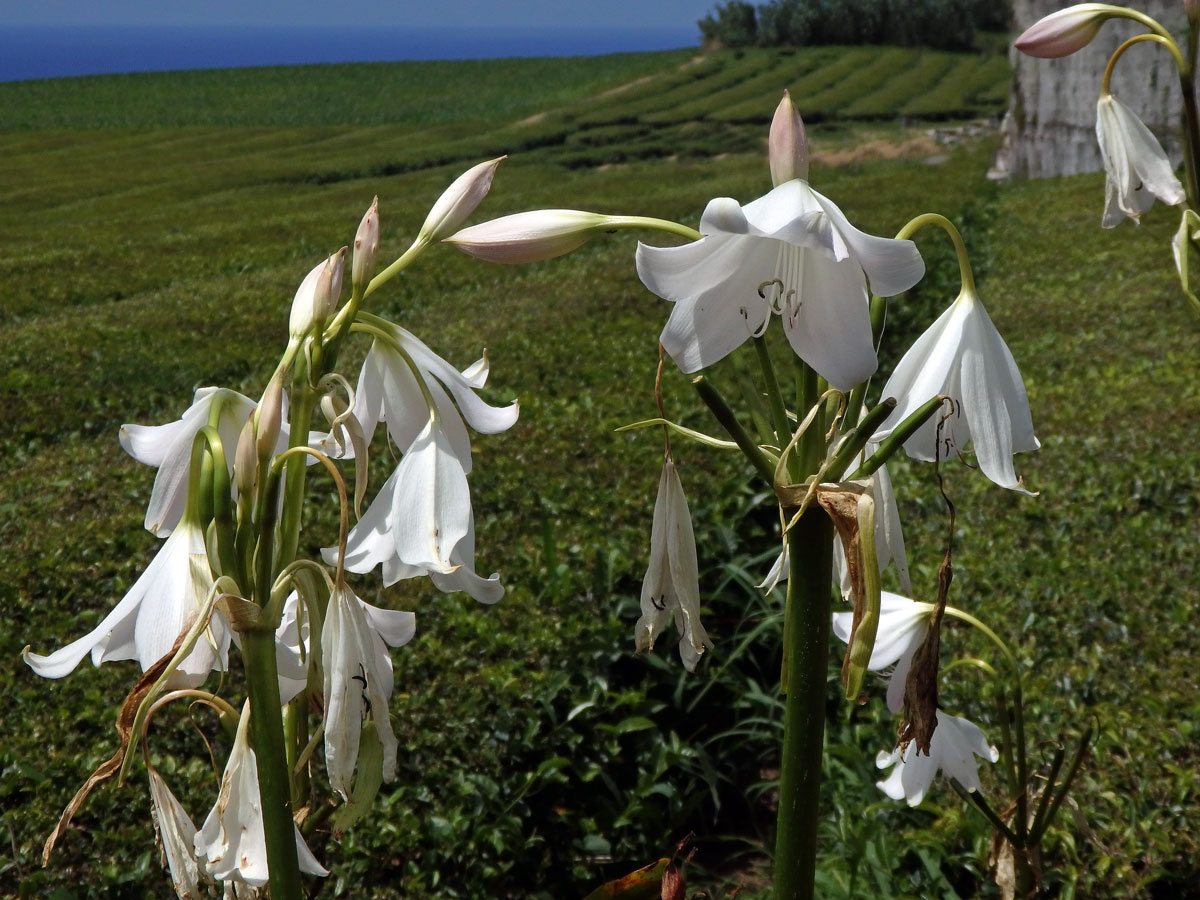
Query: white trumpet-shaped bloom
(358,680)
(952,750)
(903,624)
(177,836)
(1136,166)
(672,583)
(790,252)
(232,842)
(151,616)
(169,448)
(388,391)
(374,542)
(962,356)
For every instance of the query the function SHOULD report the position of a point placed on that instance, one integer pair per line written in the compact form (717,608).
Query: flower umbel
(672,582)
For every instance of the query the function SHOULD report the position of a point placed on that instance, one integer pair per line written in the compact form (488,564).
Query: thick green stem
(806,652)
(274,785)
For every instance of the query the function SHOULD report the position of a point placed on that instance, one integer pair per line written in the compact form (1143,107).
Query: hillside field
(153,229)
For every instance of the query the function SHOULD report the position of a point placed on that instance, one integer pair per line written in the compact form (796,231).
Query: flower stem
(806,651)
(274,785)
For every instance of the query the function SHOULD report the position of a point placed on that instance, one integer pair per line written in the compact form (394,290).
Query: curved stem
(655,224)
(964,264)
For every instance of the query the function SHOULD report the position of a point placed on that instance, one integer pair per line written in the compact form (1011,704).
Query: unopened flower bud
(1064,32)
(270,418)
(366,245)
(245,459)
(787,144)
(458,201)
(529,236)
(317,296)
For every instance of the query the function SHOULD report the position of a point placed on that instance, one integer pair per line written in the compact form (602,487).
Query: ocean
(54,52)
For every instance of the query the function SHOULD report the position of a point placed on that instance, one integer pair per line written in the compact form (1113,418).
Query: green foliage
(541,757)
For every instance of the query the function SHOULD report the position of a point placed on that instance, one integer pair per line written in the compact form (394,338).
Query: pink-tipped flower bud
(458,201)
(270,418)
(787,144)
(529,236)
(366,246)
(318,294)
(1064,32)
(245,459)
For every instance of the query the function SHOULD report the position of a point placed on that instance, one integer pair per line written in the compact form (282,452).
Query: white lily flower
(358,680)
(962,356)
(903,624)
(291,650)
(953,748)
(791,252)
(388,392)
(672,583)
(232,843)
(373,541)
(169,448)
(176,835)
(150,617)
(1136,166)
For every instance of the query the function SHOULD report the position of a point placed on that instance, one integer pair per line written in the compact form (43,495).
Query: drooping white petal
(891,265)
(962,356)
(672,582)
(169,447)
(432,506)
(1136,166)
(150,617)
(953,748)
(358,683)
(291,650)
(176,835)
(231,843)
(830,326)
(464,578)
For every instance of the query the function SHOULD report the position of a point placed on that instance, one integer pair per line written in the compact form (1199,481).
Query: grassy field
(152,232)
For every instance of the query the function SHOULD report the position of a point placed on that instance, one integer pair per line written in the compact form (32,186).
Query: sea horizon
(29,52)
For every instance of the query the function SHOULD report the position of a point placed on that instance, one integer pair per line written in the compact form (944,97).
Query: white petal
(830,329)
(177,834)
(891,266)
(432,505)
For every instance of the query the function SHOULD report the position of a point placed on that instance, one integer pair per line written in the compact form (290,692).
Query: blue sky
(380,13)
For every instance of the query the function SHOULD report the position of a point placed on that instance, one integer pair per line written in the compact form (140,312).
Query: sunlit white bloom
(952,749)
(150,617)
(176,835)
(791,252)
(903,624)
(358,680)
(672,583)
(1062,33)
(388,391)
(232,843)
(1136,166)
(962,356)
(458,201)
(374,542)
(169,448)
